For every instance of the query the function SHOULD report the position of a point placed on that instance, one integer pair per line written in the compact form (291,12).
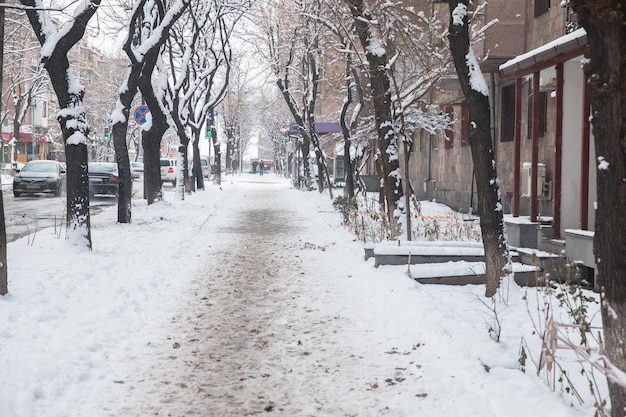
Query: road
(27,214)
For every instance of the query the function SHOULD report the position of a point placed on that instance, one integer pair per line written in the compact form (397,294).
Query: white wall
(572,146)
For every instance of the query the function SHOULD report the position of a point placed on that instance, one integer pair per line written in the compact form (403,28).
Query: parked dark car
(39,177)
(103,178)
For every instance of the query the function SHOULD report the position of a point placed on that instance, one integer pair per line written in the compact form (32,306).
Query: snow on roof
(565,44)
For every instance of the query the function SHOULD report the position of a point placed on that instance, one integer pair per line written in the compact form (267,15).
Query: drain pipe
(492,113)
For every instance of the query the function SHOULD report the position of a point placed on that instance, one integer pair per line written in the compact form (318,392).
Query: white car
(204,163)
(136,169)
(168,170)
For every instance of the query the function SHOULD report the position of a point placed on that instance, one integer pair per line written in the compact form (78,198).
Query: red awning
(26,137)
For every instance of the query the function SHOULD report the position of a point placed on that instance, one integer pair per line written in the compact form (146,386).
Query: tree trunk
(151,138)
(197,168)
(378,64)
(218,161)
(229,154)
(348,168)
(71,116)
(152,168)
(497,260)
(182,168)
(605,69)
(409,191)
(306,166)
(79,220)
(125,182)
(119,131)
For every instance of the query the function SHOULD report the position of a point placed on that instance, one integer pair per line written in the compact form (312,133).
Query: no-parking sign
(140,114)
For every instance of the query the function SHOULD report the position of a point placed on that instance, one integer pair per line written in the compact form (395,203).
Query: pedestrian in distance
(261,166)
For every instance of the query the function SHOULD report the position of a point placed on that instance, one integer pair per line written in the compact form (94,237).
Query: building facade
(531,60)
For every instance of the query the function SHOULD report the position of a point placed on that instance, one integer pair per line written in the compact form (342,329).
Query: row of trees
(178,57)
(380,62)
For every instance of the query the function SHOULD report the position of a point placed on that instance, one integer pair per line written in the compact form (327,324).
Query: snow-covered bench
(417,252)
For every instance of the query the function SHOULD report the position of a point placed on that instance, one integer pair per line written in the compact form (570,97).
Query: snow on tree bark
(381,97)
(497,257)
(56,45)
(146,55)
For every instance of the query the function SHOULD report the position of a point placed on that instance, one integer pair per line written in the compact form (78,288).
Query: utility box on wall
(527,179)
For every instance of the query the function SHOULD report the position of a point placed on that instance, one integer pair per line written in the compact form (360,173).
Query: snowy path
(284,318)
(249,339)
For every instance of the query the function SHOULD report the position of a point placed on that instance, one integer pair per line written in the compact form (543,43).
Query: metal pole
(4,286)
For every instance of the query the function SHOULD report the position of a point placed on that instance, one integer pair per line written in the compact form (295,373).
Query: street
(27,214)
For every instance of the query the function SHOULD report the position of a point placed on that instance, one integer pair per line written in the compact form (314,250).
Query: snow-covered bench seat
(427,252)
(369,247)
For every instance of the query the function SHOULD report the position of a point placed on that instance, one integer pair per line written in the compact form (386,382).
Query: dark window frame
(541,7)
(507,114)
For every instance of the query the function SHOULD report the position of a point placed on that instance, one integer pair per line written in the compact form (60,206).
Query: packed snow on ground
(146,322)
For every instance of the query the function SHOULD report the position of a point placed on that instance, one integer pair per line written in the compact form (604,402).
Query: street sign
(140,114)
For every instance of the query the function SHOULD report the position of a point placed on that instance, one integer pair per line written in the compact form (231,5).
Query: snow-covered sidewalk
(249,300)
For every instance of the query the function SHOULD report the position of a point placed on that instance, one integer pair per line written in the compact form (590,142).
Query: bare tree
(238,113)
(56,44)
(295,59)
(148,29)
(24,81)
(605,70)
(160,22)
(497,257)
(380,82)
(200,62)
(418,59)
(333,18)
(274,121)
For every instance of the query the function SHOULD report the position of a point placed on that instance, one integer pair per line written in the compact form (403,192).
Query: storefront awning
(27,137)
(321,128)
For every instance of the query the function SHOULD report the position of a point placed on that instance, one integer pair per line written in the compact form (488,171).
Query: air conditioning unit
(527,179)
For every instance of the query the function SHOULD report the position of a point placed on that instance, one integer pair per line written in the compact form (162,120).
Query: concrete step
(464,273)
